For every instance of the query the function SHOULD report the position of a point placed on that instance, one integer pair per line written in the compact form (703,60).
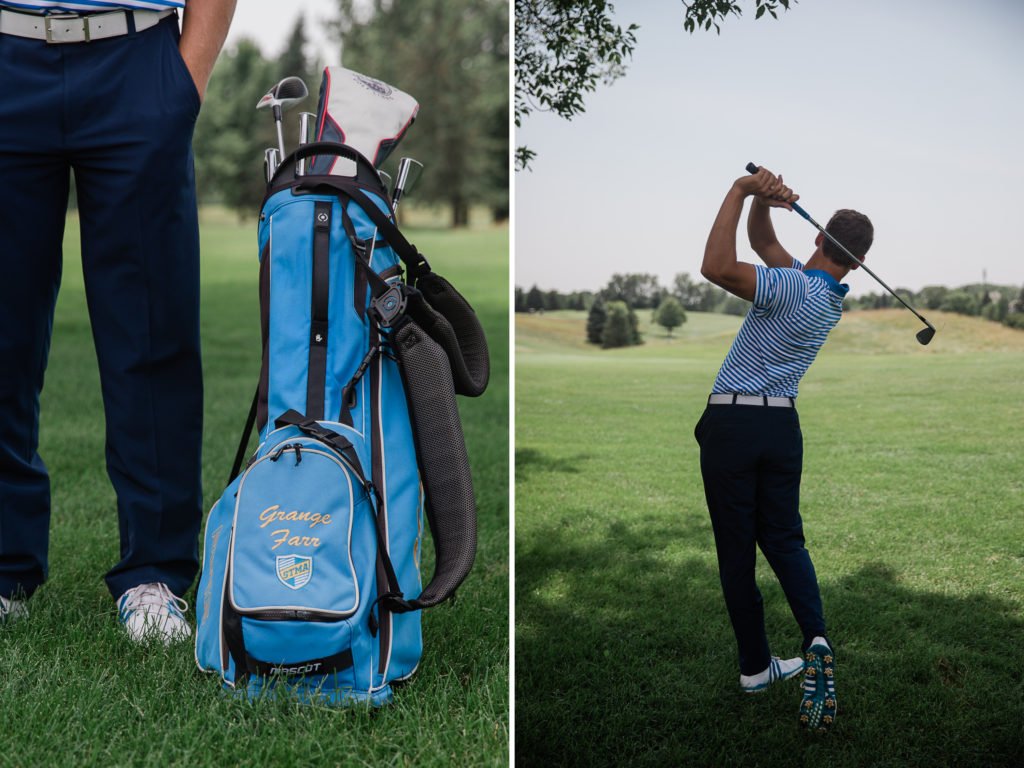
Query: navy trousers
(751,458)
(120,113)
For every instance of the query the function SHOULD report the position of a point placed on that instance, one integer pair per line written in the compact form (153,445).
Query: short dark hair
(852,229)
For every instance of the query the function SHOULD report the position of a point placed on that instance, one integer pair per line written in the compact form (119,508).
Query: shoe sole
(818,707)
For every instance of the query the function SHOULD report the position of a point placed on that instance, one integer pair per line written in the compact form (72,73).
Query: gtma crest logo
(294,571)
(379,88)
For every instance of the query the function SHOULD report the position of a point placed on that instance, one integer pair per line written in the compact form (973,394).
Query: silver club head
(409,171)
(285,95)
(386,178)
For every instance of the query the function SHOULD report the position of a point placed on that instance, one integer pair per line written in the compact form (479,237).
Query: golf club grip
(751,168)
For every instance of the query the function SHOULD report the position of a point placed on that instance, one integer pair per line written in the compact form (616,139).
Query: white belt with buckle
(731,399)
(72,28)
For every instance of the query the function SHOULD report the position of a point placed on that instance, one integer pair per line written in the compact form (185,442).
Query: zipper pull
(298,454)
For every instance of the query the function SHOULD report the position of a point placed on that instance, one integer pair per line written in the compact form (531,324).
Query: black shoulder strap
(250,422)
(415,262)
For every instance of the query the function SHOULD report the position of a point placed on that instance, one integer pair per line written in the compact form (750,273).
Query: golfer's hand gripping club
(925,334)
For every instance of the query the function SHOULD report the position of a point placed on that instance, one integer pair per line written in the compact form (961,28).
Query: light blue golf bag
(311,570)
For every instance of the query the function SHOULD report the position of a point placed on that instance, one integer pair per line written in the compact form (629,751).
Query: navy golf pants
(751,458)
(119,113)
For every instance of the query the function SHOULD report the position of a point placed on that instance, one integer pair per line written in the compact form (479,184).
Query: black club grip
(751,168)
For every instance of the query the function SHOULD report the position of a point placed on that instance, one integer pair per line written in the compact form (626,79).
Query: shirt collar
(839,289)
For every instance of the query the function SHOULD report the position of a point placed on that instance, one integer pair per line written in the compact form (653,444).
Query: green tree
(637,290)
(670,314)
(535,300)
(566,48)
(595,321)
(293,62)
(618,331)
(961,302)
(452,56)
(230,134)
(520,300)
(933,295)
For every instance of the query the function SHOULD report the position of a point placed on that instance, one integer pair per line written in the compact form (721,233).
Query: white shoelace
(157,603)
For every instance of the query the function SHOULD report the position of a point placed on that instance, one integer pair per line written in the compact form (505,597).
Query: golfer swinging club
(751,448)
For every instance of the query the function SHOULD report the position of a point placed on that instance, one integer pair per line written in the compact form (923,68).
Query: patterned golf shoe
(818,707)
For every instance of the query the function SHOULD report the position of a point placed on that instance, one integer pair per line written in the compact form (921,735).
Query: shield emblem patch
(294,571)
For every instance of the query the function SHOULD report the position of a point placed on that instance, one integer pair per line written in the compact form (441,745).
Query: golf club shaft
(305,121)
(751,168)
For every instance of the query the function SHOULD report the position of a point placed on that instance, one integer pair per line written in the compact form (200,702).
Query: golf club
(409,171)
(270,162)
(925,334)
(386,178)
(285,95)
(306,120)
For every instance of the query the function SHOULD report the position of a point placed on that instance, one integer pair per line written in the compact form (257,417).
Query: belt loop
(734,396)
(130,18)
(765,400)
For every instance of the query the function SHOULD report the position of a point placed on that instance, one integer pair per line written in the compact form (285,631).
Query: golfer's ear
(819,240)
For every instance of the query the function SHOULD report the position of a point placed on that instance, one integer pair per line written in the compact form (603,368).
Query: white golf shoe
(778,669)
(153,612)
(12,609)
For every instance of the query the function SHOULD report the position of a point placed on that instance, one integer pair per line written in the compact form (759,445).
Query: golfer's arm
(720,264)
(203,29)
(762,236)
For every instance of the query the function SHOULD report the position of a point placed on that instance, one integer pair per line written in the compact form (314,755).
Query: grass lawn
(913,503)
(75,691)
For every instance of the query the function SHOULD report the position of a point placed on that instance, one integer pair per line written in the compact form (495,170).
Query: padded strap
(443,462)
(451,322)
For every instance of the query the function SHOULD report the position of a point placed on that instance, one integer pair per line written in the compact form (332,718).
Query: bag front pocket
(291,549)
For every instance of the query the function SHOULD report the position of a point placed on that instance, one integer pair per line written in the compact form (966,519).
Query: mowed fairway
(74,691)
(913,503)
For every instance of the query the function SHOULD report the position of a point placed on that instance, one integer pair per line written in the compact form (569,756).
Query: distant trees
(670,314)
(451,55)
(998,303)
(621,328)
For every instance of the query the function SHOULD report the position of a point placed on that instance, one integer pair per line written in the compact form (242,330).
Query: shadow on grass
(529,460)
(624,655)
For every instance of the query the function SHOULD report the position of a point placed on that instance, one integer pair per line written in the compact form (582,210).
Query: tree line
(612,319)
(451,55)
(611,311)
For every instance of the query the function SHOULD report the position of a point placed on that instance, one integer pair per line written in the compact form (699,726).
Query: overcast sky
(269,22)
(910,111)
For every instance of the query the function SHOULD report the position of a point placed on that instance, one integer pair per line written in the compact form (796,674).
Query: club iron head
(925,335)
(409,171)
(386,178)
(285,94)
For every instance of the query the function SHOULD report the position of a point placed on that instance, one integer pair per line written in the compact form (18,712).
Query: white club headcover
(367,114)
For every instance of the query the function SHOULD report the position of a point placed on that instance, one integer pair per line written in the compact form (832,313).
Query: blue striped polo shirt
(793,312)
(89,6)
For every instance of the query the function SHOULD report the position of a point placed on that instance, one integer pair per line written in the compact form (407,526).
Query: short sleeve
(779,291)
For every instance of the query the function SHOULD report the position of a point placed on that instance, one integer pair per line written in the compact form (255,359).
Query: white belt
(731,399)
(72,28)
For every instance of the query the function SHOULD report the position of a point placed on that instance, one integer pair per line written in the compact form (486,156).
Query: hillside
(884,331)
